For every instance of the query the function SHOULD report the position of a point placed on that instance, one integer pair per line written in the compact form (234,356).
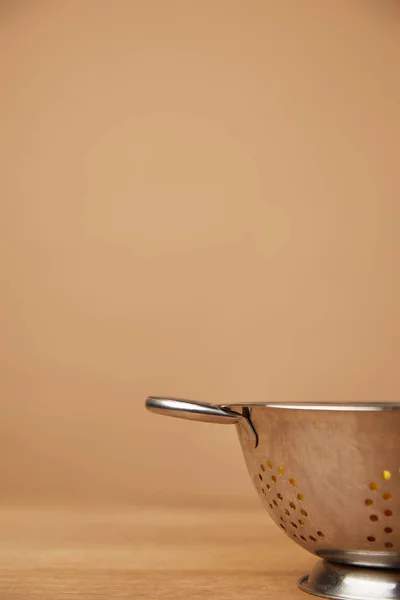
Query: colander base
(342,582)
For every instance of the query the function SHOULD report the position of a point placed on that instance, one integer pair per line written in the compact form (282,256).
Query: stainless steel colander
(329,476)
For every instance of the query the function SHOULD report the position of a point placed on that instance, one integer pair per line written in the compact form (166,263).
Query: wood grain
(146,554)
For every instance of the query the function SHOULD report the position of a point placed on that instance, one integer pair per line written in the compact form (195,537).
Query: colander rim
(328,406)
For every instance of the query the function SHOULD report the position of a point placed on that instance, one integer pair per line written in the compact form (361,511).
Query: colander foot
(341,582)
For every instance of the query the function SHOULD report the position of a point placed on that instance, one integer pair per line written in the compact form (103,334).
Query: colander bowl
(328,475)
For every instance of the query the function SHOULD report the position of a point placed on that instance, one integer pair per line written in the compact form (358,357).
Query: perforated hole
(386,476)
(263,491)
(388,530)
(271,505)
(374,486)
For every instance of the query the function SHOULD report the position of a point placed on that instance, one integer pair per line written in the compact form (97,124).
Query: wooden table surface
(147,553)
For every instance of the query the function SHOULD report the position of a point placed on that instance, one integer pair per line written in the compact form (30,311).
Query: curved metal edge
(341,582)
(201,411)
(324,406)
(304,586)
(194,411)
(250,430)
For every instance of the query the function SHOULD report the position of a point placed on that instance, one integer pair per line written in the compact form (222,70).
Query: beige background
(199,199)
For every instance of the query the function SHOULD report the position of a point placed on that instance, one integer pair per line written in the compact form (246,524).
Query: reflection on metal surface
(351,583)
(331,480)
(207,413)
(329,476)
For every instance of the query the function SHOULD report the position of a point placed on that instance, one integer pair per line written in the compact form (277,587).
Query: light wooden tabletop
(147,554)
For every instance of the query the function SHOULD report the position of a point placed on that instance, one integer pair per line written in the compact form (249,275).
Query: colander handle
(200,411)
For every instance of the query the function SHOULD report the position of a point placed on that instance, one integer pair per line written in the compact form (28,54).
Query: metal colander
(329,476)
